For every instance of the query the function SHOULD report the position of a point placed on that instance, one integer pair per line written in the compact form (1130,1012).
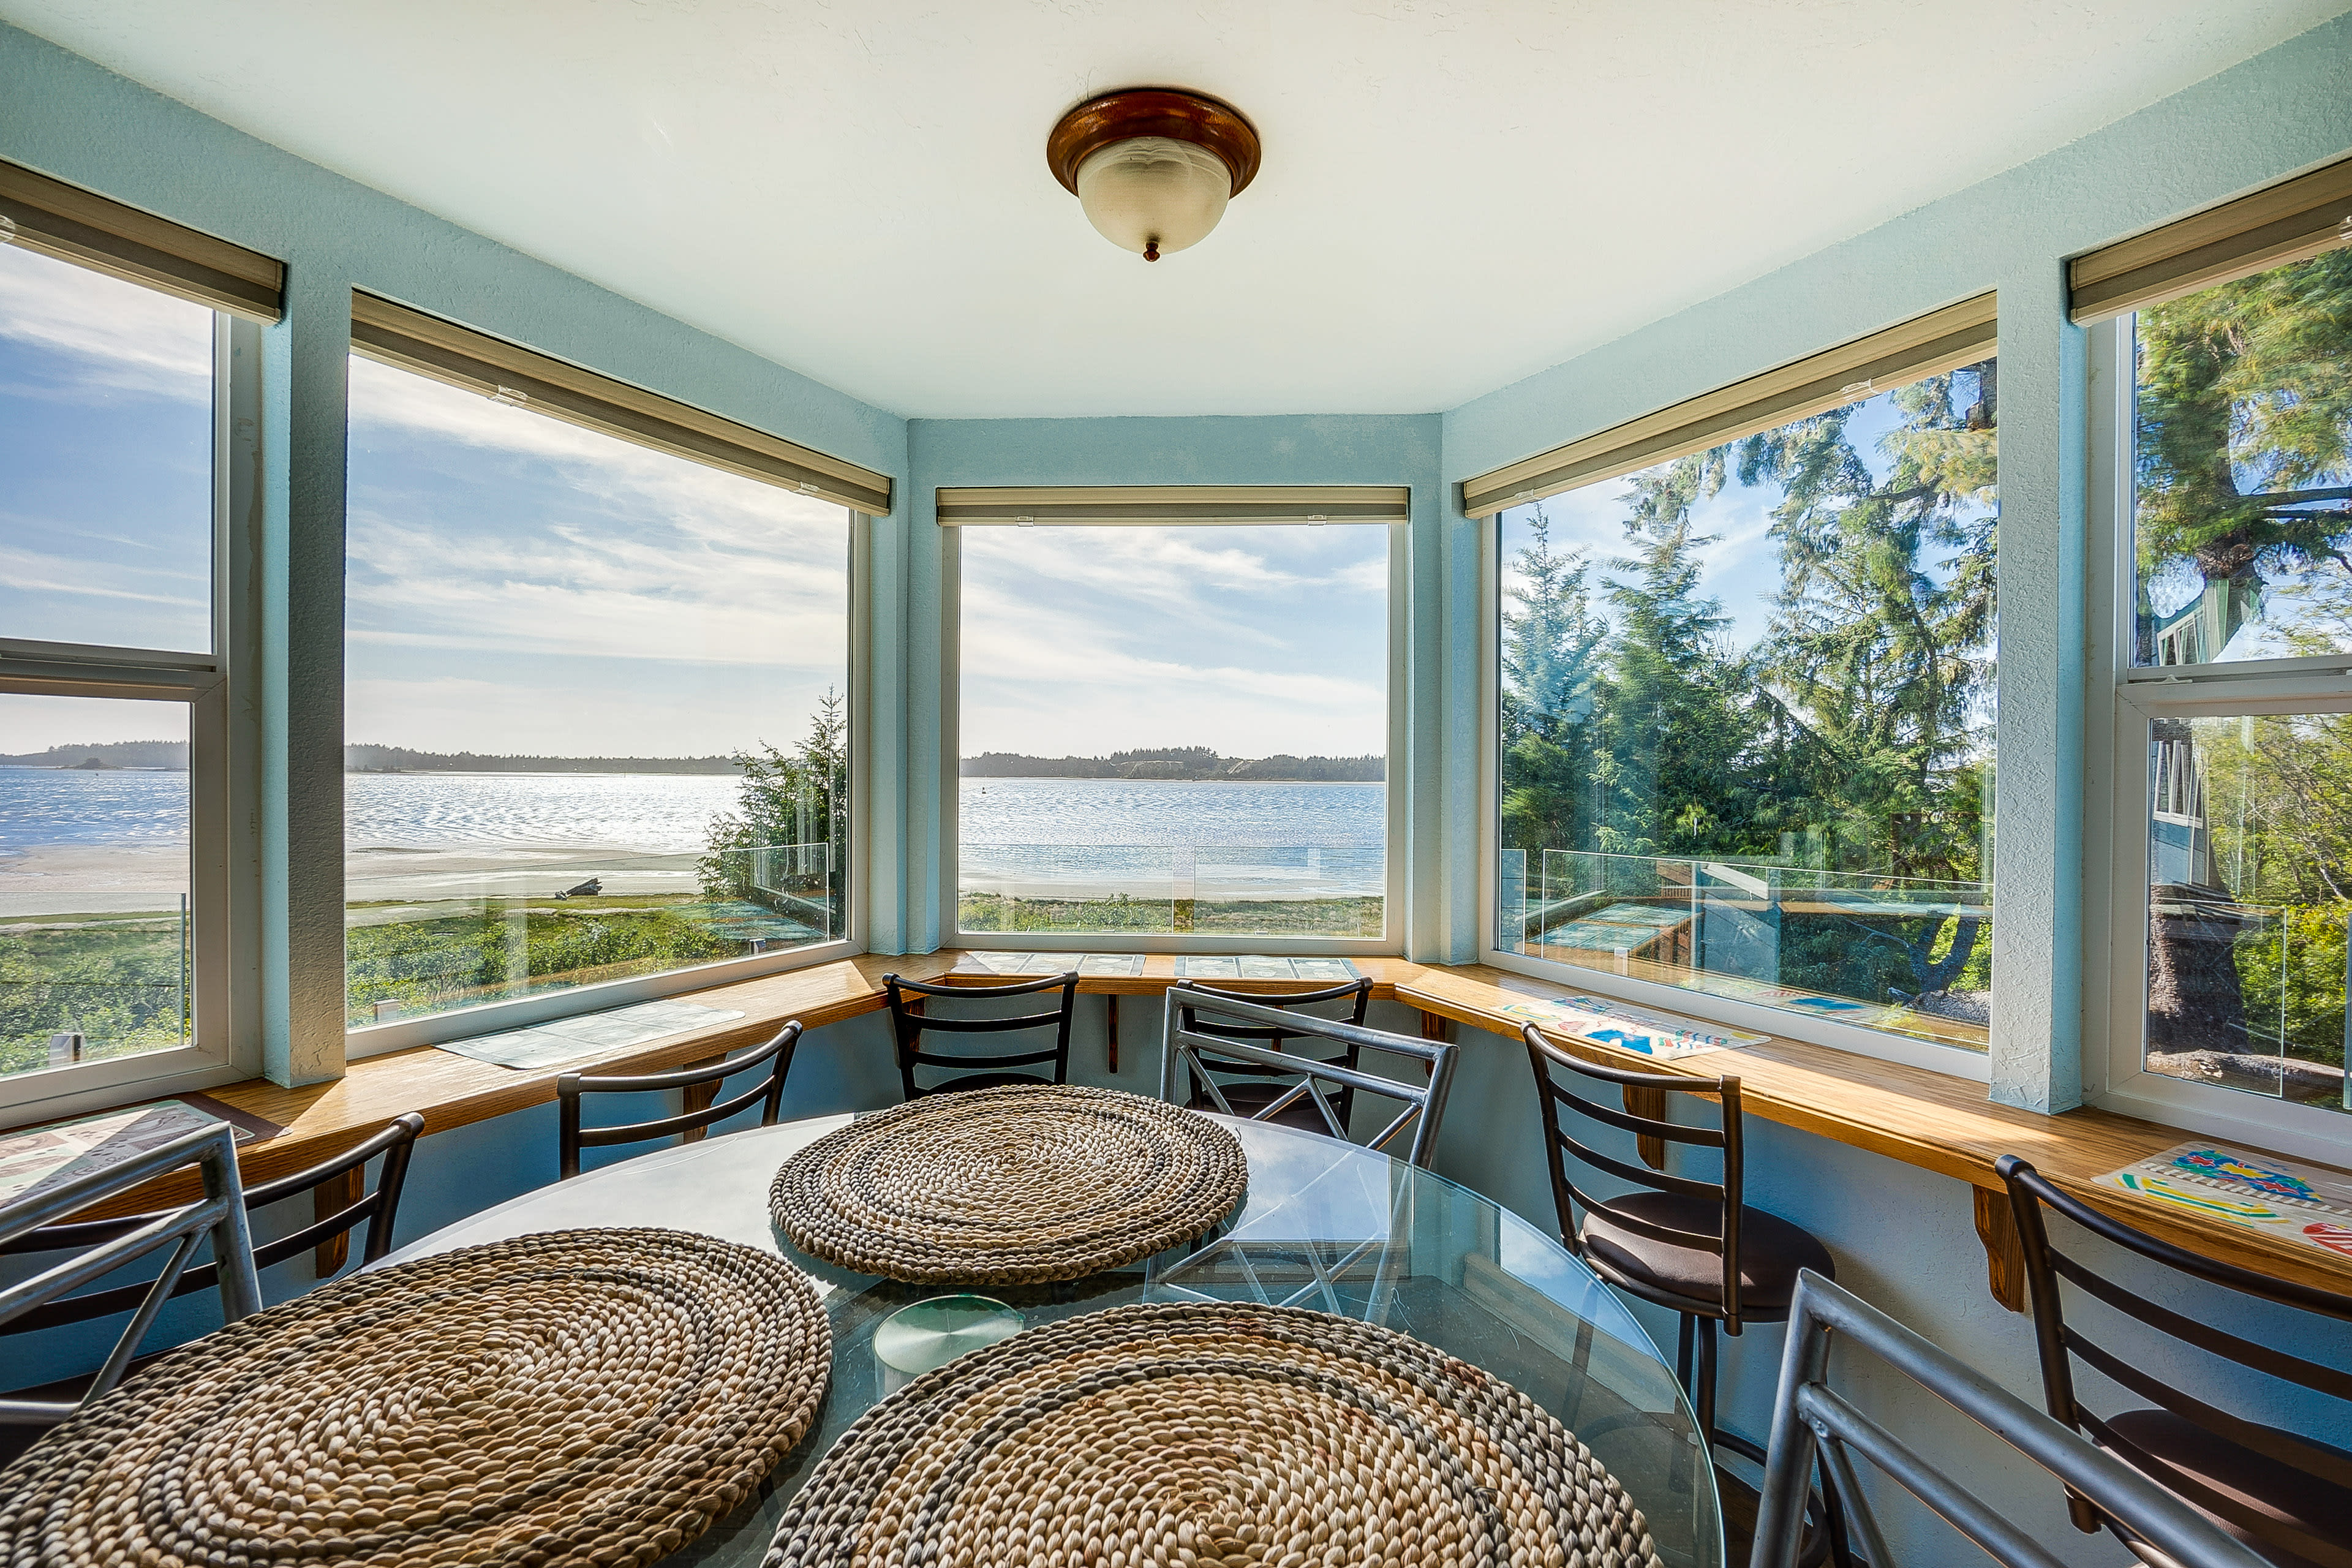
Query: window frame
(2122,702)
(1949,1060)
(224,1042)
(949,876)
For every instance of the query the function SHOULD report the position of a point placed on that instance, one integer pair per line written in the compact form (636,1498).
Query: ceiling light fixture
(1153,166)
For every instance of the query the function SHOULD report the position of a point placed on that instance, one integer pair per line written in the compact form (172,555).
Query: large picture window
(1746,715)
(111,720)
(2237,682)
(597,706)
(1174,731)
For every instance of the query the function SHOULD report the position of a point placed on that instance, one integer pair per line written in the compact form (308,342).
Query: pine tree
(1551,687)
(2244,440)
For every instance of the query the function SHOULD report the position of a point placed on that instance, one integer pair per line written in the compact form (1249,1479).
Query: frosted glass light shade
(1154,194)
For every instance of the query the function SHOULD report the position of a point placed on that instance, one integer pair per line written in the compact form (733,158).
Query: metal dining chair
(2287,1497)
(1691,1246)
(1250,1088)
(911,1020)
(379,1210)
(571,1137)
(1189,1053)
(220,1215)
(1810,1422)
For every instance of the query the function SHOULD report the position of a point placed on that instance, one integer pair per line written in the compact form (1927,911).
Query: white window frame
(1951,1060)
(225,1038)
(1390,942)
(2119,706)
(489,1017)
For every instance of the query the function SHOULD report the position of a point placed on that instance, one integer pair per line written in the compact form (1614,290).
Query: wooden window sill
(1918,1117)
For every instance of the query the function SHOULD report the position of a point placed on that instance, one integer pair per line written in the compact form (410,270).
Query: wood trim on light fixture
(1169,111)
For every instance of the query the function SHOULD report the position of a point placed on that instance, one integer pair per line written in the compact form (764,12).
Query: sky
(1248,640)
(519,584)
(106,447)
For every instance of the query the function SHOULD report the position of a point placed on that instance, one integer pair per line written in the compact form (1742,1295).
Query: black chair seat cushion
(1771,1251)
(1249,1099)
(2179,1448)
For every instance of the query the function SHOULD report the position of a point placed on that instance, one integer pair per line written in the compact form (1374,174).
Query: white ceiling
(1453,196)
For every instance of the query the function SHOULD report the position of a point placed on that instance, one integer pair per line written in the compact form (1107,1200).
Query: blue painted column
(300,688)
(2036,1051)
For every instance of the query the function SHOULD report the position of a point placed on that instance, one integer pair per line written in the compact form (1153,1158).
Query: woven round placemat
(587,1396)
(1016,1185)
(1204,1436)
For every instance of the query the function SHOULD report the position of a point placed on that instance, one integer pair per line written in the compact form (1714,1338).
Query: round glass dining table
(1325,1225)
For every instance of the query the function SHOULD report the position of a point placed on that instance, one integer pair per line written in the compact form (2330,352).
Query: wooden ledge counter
(1907,1113)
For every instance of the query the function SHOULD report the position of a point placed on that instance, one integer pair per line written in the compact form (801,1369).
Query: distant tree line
(366,759)
(168,755)
(1187,762)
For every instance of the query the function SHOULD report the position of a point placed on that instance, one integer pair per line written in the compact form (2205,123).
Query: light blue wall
(2272,116)
(1366,449)
(78,121)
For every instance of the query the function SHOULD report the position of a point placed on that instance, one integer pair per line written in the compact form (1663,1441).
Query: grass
(439,962)
(1001,912)
(115,978)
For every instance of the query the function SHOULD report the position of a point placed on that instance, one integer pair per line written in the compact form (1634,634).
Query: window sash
(949,871)
(224,1030)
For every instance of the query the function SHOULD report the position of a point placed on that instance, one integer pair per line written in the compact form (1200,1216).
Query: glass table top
(1325,1225)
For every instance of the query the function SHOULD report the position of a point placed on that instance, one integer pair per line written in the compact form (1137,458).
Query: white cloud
(121,337)
(1251,640)
(635,555)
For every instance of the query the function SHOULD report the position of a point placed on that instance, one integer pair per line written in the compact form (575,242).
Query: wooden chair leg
(1110,1027)
(700,1097)
(333,1197)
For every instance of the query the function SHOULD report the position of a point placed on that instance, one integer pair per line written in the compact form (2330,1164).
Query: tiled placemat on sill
(588,1035)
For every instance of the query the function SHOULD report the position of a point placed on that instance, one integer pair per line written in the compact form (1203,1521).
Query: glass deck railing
(1910,955)
(1251,889)
(510,923)
(87,987)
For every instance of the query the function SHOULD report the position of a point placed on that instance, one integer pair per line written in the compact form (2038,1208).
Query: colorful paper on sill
(1627,1028)
(2305,1203)
(39,1158)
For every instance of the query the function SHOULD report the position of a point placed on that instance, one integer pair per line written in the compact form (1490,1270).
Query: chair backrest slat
(1810,1421)
(2061,1339)
(1190,1055)
(1720,1095)
(911,1020)
(769,1090)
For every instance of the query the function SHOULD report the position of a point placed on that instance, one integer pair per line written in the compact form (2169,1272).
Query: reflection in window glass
(106,405)
(1747,717)
(596,722)
(1175,731)
(2243,510)
(94,939)
(2250,874)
